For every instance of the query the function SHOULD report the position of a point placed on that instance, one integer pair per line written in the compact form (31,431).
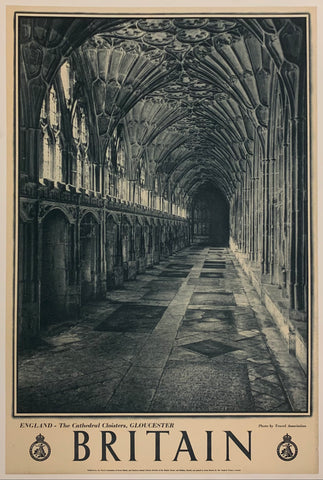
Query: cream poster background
(16,441)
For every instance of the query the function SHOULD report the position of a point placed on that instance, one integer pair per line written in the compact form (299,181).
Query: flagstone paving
(189,335)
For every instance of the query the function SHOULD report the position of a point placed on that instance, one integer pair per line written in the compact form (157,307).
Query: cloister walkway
(189,335)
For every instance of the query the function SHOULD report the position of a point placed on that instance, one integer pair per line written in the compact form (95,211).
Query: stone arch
(94,213)
(70,214)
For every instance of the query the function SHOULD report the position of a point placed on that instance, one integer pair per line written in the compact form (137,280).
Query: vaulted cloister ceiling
(192,94)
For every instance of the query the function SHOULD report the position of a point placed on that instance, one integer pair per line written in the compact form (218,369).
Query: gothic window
(142,177)
(109,171)
(121,157)
(81,138)
(83,129)
(108,155)
(141,174)
(50,121)
(53,109)
(75,128)
(120,151)
(68,80)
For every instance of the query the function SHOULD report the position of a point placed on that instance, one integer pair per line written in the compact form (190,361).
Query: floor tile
(132,318)
(210,348)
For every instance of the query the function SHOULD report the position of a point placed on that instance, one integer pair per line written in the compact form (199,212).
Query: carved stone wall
(71,253)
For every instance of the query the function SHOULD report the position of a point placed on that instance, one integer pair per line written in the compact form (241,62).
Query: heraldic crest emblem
(40,450)
(287,450)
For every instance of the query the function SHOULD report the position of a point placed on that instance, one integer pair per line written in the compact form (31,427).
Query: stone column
(301,248)
(265,232)
(293,284)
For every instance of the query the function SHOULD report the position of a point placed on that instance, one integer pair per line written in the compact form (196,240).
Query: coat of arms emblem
(39,450)
(287,450)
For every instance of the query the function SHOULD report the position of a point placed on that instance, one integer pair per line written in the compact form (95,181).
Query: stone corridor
(189,335)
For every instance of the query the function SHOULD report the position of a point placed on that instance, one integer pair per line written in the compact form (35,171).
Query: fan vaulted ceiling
(191,93)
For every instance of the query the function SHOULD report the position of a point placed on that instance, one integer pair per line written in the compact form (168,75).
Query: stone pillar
(28,321)
(272,218)
(265,232)
(285,219)
(301,248)
(293,281)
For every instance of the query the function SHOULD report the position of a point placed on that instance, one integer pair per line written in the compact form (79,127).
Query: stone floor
(189,335)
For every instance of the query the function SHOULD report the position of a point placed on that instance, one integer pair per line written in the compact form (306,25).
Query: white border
(141,4)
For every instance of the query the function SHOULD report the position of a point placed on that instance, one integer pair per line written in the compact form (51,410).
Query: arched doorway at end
(210,217)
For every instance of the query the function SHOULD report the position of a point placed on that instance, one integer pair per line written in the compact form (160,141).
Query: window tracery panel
(68,81)
(50,121)
(80,135)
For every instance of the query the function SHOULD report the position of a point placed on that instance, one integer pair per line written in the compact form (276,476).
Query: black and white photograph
(163,222)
